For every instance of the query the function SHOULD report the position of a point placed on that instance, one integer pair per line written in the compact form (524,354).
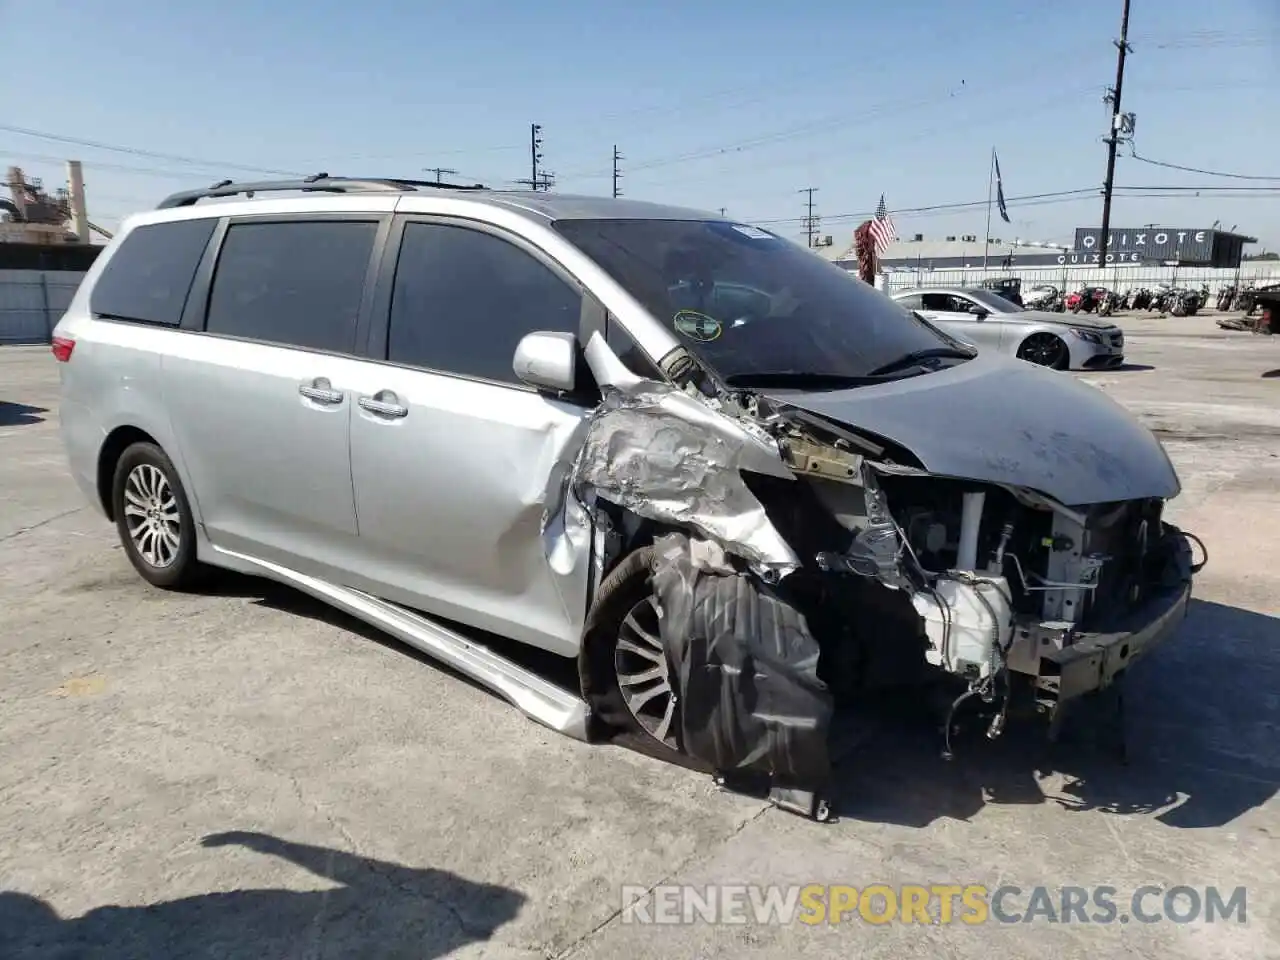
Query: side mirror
(547,361)
(980,312)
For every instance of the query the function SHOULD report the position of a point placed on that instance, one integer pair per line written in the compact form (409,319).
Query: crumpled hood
(1086,320)
(1007,421)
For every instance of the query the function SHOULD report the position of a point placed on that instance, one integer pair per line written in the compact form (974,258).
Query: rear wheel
(153,517)
(1044,349)
(629,680)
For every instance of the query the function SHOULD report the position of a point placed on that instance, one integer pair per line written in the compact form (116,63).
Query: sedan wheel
(644,674)
(1044,349)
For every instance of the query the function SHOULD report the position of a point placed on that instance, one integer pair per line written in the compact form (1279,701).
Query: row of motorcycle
(1176,301)
(1244,299)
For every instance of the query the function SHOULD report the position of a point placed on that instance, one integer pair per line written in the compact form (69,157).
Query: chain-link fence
(32,301)
(1073,278)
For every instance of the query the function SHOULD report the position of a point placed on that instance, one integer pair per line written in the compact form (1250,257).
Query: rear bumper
(1094,660)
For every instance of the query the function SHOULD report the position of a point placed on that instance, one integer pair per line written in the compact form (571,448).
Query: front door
(451,456)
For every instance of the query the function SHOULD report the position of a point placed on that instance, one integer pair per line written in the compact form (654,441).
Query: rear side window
(943,303)
(147,280)
(463,300)
(296,283)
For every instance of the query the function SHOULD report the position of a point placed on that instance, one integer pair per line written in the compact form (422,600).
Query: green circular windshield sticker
(697,326)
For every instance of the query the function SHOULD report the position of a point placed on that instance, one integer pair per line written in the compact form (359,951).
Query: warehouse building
(1153,245)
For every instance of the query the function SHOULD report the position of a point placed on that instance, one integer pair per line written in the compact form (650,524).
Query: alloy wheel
(1044,349)
(644,673)
(152,516)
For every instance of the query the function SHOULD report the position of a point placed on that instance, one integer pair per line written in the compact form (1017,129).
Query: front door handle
(384,403)
(320,390)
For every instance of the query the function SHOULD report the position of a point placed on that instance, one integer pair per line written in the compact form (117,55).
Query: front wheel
(628,678)
(153,517)
(1045,349)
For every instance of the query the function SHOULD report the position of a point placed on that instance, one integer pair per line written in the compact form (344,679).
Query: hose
(1197,567)
(951,713)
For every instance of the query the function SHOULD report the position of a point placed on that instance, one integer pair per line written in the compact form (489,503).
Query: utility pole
(1113,137)
(440,172)
(810,221)
(535,151)
(538,179)
(617,175)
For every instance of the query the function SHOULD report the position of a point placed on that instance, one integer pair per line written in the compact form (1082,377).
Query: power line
(104,165)
(441,172)
(1034,200)
(967,125)
(457,152)
(1207,173)
(138,152)
(1024,200)
(758,92)
(1208,188)
(896,107)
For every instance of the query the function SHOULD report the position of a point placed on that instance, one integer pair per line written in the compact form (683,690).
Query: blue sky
(713,104)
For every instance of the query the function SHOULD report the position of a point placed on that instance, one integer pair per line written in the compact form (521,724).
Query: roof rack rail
(317,183)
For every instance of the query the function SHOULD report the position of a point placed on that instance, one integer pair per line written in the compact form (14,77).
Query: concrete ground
(243,773)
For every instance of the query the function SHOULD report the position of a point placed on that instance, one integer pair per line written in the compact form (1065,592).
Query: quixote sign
(1143,244)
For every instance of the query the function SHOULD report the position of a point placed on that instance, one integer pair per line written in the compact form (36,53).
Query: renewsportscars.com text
(968,904)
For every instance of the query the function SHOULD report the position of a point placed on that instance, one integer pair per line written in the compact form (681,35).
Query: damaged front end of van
(994,528)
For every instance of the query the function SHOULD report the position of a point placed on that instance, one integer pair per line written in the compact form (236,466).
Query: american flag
(882,229)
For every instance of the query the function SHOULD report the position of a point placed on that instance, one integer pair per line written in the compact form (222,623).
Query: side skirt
(562,710)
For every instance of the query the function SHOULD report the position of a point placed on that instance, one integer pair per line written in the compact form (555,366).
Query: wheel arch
(113,447)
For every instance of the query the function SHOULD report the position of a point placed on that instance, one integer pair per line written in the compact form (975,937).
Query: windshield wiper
(919,357)
(797,380)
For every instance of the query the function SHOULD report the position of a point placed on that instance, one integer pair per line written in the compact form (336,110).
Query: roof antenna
(315,176)
(220,184)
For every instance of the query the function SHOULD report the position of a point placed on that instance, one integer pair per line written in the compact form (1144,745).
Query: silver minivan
(734,484)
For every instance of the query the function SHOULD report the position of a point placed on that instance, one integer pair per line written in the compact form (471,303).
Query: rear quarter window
(148,278)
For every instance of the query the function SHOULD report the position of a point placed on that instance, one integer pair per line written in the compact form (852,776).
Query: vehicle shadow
(1271,374)
(1133,367)
(1200,719)
(19,414)
(378,909)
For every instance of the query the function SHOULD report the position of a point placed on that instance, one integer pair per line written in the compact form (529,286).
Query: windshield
(993,301)
(748,302)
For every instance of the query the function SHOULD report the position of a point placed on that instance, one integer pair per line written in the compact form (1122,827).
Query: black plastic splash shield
(746,670)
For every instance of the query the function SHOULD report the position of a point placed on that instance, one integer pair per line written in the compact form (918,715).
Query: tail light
(62,347)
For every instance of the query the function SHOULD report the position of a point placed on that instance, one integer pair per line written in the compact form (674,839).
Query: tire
(145,479)
(1046,350)
(607,654)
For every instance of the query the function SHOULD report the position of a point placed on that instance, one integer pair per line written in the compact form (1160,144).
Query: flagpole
(991,176)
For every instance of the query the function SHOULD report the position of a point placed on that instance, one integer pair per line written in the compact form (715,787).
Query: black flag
(1004,211)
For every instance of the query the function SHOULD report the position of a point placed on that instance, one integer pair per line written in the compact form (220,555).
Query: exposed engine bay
(844,565)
